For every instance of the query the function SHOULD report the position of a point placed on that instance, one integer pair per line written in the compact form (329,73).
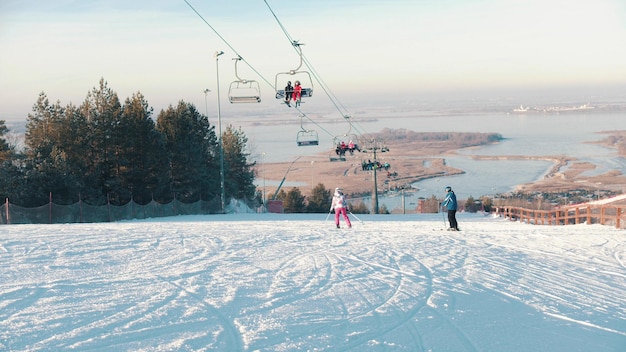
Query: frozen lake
(534,134)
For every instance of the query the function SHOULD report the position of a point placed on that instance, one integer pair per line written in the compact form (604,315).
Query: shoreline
(418,162)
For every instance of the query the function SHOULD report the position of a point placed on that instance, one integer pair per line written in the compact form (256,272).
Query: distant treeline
(457,139)
(616,139)
(106,152)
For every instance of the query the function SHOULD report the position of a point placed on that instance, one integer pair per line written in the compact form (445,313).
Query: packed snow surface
(282,282)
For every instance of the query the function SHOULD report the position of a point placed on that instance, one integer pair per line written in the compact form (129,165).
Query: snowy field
(268,282)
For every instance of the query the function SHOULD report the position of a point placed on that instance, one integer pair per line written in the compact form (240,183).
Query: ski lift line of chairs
(243,90)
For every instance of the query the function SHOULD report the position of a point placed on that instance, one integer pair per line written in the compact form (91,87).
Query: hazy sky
(407,48)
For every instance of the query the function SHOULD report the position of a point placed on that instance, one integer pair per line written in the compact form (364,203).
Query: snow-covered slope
(248,282)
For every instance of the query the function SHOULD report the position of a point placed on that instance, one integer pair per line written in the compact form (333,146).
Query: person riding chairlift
(288,93)
(297,93)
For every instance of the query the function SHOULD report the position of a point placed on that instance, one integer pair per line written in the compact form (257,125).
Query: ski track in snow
(197,283)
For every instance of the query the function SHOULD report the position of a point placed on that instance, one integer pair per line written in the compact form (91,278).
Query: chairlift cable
(315,123)
(244,60)
(307,63)
(227,43)
(333,98)
(280,24)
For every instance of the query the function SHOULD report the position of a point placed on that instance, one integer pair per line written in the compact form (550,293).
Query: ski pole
(330,211)
(356,217)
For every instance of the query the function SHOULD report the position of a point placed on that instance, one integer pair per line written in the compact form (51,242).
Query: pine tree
(47,170)
(192,151)
(487,203)
(238,173)
(75,139)
(431,205)
(294,201)
(142,153)
(359,208)
(9,173)
(103,112)
(42,130)
(5,149)
(281,195)
(471,205)
(319,200)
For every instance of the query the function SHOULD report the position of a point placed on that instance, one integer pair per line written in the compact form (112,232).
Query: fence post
(80,208)
(602,215)
(618,214)
(50,209)
(109,206)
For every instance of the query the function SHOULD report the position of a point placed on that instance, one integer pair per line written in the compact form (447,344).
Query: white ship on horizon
(521,109)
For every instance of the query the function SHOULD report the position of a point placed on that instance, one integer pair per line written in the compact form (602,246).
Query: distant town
(588,107)
(557,109)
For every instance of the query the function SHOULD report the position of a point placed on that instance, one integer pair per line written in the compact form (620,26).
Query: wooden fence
(606,214)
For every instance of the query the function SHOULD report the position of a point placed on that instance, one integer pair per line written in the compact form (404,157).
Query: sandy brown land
(414,160)
(567,173)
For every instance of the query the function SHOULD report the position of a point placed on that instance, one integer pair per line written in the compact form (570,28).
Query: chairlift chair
(347,138)
(336,153)
(307,138)
(287,76)
(306,82)
(243,90)
(351,137)
(377,146)
(334,157)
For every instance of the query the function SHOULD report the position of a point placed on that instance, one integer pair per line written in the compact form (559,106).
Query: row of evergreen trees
(105,151)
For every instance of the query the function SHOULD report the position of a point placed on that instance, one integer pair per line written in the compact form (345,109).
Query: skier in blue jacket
(450,204)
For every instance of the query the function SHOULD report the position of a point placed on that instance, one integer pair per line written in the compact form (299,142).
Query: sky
(293,282)
(363,51)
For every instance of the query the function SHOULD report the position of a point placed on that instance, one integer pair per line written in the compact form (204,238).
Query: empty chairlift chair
(307,138)
(243,90)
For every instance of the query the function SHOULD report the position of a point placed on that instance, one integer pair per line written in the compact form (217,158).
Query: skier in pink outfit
(340,207)
(297,93)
